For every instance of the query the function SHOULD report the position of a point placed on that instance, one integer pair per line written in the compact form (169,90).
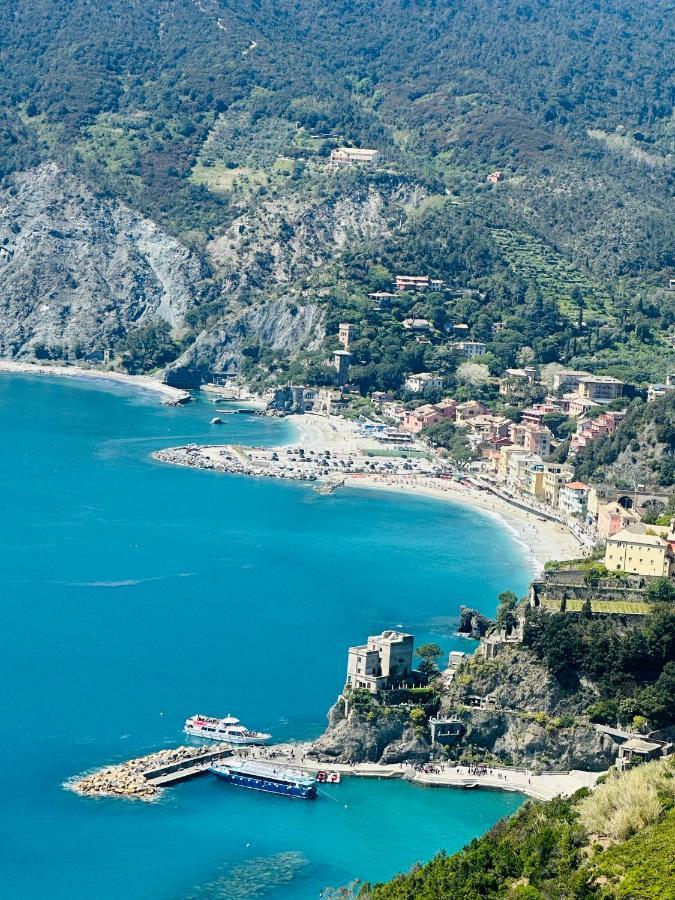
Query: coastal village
(606,547)
(522,447)
(403,282)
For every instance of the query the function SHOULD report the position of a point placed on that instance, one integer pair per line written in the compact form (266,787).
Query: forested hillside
(615,844)
(215,119)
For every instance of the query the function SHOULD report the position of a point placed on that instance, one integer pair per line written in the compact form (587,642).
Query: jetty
(143,778)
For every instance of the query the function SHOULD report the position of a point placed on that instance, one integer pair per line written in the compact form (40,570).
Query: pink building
(612,517)
(592,429)
(469,410)
(429,414)
(534,438)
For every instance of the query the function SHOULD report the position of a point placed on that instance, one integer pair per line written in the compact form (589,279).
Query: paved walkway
(539,787)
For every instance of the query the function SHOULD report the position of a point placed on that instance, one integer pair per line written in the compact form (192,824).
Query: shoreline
(172,396)
(541,540)
(137,779)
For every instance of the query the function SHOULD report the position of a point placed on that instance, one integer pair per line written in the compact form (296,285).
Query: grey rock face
(526,743)
(278,324)
(472,623)
(261,260)
(79,269)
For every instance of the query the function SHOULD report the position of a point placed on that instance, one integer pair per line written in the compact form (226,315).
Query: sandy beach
(145,382)
(543,540)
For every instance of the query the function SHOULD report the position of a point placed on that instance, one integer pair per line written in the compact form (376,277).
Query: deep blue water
(134,594)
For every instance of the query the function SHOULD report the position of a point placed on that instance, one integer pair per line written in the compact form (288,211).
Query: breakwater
(297,463)
(143,778)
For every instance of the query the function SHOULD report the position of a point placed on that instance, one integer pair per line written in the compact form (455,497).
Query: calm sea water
(134,594)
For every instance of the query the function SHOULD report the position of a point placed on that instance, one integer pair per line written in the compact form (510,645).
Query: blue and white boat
(262,776)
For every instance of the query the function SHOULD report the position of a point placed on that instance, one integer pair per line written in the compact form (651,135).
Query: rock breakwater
(130,779)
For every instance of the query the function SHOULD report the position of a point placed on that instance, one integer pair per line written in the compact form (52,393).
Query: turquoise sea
(135,594)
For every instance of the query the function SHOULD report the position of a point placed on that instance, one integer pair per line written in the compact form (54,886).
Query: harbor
(146,777)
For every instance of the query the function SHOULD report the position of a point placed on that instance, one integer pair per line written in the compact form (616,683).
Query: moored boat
(228,729)
(263,776)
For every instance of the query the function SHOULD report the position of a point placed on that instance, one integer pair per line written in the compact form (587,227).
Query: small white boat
(229,730)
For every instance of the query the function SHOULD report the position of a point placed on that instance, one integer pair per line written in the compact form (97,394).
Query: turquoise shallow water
(134,594)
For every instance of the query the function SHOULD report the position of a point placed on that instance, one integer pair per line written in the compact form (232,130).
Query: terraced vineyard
(536,261)
(608,607)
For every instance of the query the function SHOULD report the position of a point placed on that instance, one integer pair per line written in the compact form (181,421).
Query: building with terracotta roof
(612,517)
(469,410)
(573,499)
(342,157)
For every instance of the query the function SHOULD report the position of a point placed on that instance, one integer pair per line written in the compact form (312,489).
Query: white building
(470,349)
(573,499)
(423,383)
(353,156)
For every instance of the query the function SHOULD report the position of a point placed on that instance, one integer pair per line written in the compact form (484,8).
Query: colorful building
(639,550)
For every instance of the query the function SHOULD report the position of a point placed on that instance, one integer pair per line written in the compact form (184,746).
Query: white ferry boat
(228,729)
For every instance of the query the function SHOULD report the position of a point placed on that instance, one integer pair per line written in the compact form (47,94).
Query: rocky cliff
(528,721)
(78,269)
(267,261)
(378,734)
(529,718)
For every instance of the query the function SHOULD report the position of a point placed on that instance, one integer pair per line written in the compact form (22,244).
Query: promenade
(545,786)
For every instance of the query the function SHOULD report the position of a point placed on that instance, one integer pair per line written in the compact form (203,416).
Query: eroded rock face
(262,259)
(280,325)
(523,742)
(276,241)
(535,721)
(80,269)
(356,738)
(473,623)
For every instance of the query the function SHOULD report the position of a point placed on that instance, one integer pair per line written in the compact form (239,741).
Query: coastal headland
(171,396)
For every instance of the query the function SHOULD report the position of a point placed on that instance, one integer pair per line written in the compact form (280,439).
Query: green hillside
(194,113)
(615,844)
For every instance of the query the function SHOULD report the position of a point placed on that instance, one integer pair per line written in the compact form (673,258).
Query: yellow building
(639,551)
(555,476)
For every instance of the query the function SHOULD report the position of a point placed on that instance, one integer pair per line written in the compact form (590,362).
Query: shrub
(627,803)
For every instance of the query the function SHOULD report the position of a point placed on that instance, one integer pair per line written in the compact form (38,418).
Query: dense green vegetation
(193,112)
(546,851)
(633,666)
(641,450)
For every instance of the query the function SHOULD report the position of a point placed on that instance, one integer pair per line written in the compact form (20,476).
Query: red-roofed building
(573,499)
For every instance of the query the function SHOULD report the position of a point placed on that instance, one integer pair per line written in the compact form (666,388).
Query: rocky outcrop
(79,269)
(264,258)
(382,734)
(518,681)
(279,240)
(529,718)
(279,325)
(473,623)
(523,741)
